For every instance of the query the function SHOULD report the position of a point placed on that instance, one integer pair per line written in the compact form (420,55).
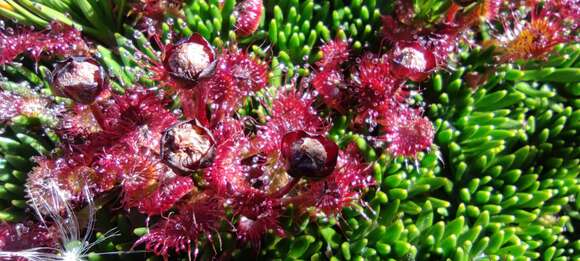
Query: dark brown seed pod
(78,78)
(191,59)
(308,156)
(187,146)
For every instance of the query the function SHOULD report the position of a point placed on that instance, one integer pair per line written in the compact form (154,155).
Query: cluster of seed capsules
(207,141)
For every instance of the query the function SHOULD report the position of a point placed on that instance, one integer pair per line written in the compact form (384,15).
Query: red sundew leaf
(26,103)
(441,39)
(165,196)
(254,165)
(334,53)
(452,12)
(137,117)
(394,31)
(293,110)
(290,111)
(225,175)
(59,40)
(536,37)
(566,10)
(442,42)
(372,115)
(108,168)
(409,60)
(407,132)
(222,93)
(156,9)
(327,82)
(194,222)
(147,184)
(72,173)
(249,73)
(476,79)
(248,14)
(237,75)
(27,235)
(138,107)
(339,190)
(77,124)
(230,129)
(374,79)
(257,214)
(405,11)
(373,87)
(10,106)
(486,10)
(134,169)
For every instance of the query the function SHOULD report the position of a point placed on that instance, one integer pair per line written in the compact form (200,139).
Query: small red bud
(249,14)
(412,61)
(187,146)
(191,59)
(309,156)
(80,79)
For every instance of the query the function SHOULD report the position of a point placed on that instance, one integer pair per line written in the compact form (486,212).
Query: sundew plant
(289,130)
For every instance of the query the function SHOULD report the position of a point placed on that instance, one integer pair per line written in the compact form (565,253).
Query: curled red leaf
(59,40)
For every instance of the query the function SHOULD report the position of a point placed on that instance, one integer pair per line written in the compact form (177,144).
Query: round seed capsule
(308,156)
(79,78)
(187,146)
(191,59)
